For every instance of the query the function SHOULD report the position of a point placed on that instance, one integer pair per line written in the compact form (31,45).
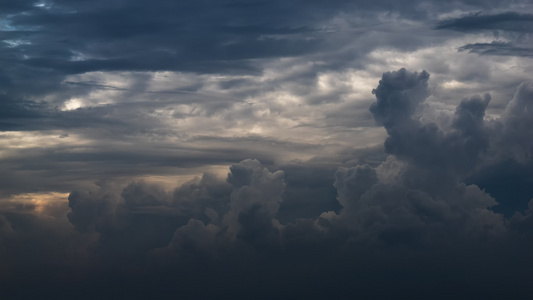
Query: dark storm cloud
(508,176)
(497,48)
(441,209)
(512,25)
(412,215)
(45,42)
(419,187)
(161,36)
(508,181)
(143,217)
(16,6)
(72,37)
(309,191)
(508,21)
(518,119)
(399,96)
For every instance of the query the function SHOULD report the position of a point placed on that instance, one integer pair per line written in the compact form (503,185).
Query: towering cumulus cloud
(417,196)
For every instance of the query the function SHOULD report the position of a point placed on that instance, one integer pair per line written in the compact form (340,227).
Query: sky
(266,149)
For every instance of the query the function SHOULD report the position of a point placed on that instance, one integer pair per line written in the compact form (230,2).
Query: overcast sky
(261,149)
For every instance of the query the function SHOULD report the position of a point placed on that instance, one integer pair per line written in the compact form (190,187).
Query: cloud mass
(266,149)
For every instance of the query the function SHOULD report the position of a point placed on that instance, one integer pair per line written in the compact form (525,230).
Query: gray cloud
(513,26)
(507,21)
(518,117)
(497,48)
(147,114)
(403,208)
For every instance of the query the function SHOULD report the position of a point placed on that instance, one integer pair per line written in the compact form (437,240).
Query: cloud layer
(412,215)
(266,149)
